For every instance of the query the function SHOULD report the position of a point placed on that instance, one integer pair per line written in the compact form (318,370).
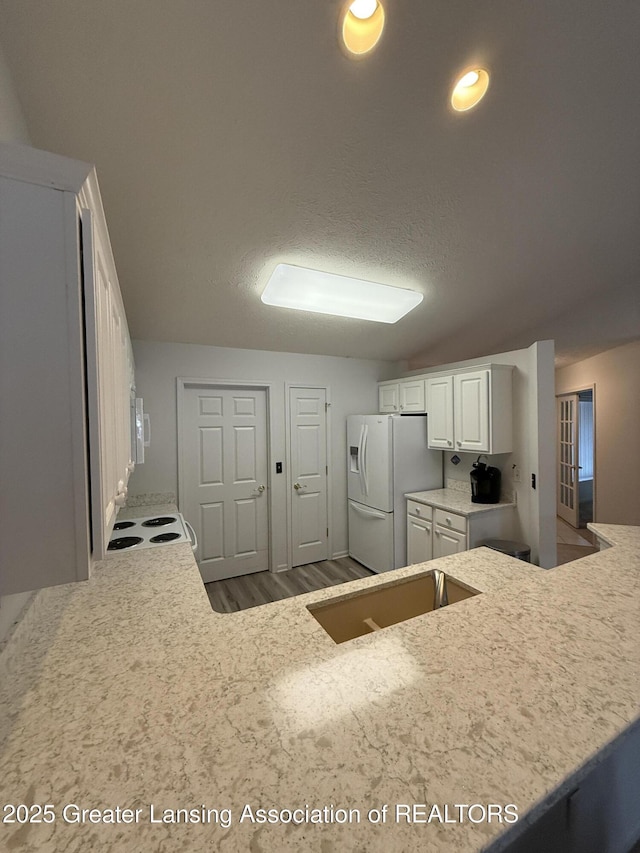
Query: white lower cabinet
(450,533)
(419,541)
(65,372)
(446,542)
(434,532)
(419,533)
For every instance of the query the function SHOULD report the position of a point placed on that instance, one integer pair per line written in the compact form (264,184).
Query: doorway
(223,475)
(309,474)
(576,457)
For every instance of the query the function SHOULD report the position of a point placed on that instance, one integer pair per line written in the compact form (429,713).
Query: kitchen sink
(371,610)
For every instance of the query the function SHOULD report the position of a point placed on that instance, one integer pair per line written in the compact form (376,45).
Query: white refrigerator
(387,457)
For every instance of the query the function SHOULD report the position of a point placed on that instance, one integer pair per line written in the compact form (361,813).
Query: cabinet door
(103,404)
(109,407)
(412,397)
(419,543)
(388,400)
(471,407)
(440,408)
(447,542)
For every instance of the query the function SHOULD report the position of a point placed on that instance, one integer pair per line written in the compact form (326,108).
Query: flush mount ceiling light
(469,89)
(362,25)
(340,295)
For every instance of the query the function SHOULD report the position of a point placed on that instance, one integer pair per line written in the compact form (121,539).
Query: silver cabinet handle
(449,442)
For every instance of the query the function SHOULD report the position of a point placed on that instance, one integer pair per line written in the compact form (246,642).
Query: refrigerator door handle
(363,466)
(373,513)
(360,460)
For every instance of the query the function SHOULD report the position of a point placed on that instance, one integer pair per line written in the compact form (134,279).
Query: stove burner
(165,537)
(122,525)
(159,522)
(123,542)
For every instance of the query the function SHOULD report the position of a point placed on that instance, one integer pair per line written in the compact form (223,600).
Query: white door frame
(287,426)
(182,383)
(592,388)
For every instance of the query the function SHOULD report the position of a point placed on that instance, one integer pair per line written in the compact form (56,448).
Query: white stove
(134,534)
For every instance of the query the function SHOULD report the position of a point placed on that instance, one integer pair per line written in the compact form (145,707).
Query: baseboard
(338,554)
(283,567)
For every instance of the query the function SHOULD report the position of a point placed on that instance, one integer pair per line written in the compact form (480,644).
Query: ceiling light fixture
(363,9)
(342,296)
(362,22)
(469,89)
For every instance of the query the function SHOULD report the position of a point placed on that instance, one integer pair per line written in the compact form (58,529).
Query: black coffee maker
(485,483)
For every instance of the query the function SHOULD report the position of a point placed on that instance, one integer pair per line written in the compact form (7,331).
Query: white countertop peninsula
(128,690)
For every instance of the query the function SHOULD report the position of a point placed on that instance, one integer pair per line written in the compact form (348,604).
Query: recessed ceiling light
(469,89)
(327,293)
(362,25)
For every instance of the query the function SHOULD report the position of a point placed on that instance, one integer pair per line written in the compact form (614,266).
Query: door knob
(261,489)
(297,486)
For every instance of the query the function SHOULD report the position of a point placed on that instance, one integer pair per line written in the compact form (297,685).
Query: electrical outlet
(516,474)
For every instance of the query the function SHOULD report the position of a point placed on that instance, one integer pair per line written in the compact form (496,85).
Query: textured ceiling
(229,136)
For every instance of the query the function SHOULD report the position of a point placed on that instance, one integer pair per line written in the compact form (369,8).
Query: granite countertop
(128,690)
(455,500)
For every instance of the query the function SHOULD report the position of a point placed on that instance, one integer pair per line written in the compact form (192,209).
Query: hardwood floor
(233,594)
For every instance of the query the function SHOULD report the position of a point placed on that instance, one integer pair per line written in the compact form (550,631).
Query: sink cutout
(374,609)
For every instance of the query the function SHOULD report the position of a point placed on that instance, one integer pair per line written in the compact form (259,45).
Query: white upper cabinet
(389,397)
(405,396)
(412,396)
(66,372)
(471,410)
(440,425)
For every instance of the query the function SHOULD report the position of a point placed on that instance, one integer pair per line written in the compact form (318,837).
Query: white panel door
(568,413)
(471,411)
(224,478)
(440,409)
(308,431)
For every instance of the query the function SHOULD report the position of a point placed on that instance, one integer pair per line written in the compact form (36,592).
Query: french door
(568,414)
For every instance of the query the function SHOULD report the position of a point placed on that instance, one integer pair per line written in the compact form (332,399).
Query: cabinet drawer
(450,520)
(419,510)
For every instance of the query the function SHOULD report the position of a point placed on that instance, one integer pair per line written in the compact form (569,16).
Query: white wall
(533,445)
(616,377)
(352,389)
(13,128)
